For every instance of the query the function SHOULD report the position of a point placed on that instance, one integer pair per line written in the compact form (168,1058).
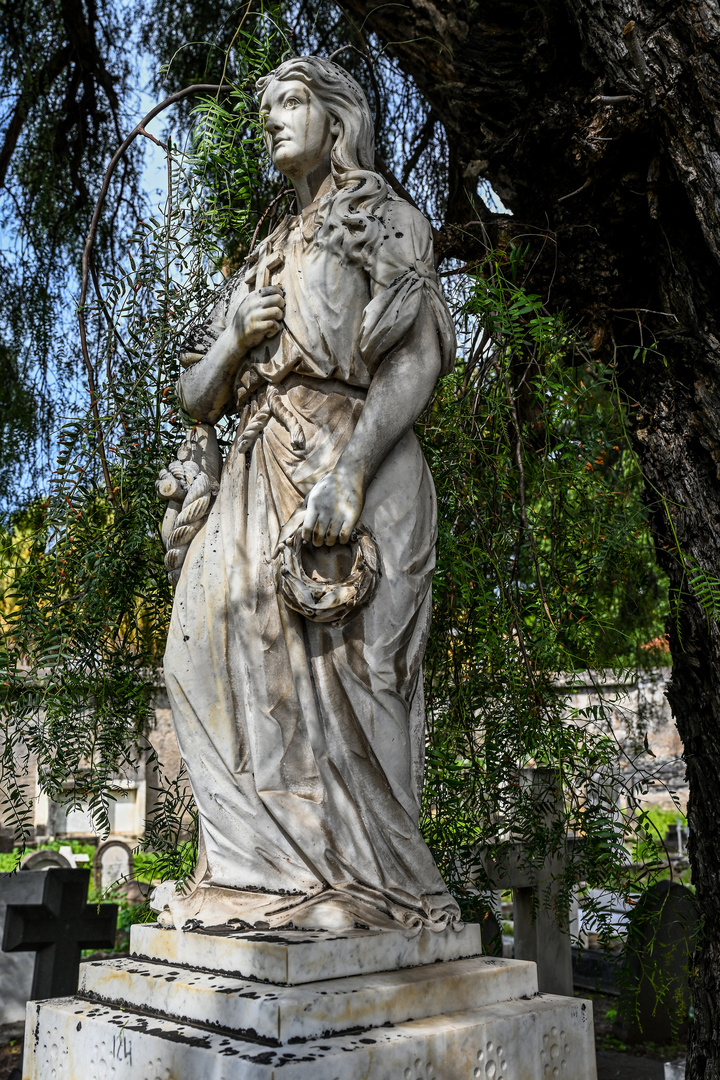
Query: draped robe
(304,742)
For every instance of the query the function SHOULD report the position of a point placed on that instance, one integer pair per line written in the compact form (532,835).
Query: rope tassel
(288,420)
(274,407)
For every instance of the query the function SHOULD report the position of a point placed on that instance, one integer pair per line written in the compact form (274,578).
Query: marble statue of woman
(303,739)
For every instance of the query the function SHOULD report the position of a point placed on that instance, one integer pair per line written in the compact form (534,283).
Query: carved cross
(274,262)
(57,929)
(261,274)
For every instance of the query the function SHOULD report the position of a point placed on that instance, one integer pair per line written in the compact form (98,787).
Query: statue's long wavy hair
(360,190)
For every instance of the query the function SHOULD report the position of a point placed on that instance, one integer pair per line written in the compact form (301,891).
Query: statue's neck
(312,187)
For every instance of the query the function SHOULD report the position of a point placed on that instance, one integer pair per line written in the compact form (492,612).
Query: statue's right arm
(204,389)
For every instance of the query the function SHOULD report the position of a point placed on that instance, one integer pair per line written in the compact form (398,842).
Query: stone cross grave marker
(56,927)
(113,862)
(538,934)
(16,969)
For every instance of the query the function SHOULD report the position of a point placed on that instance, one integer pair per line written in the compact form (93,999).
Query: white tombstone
(113,863)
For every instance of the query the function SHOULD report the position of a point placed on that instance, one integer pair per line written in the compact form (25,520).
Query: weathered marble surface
(304,738)
(312,1010)
(295,957)
(544,1037)
(454,1020)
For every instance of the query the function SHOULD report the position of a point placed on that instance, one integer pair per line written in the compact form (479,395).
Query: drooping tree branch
(46,77)
(421,144)
(85,68)
(139,129)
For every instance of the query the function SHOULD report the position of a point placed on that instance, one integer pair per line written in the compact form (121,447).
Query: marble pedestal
(353,1005)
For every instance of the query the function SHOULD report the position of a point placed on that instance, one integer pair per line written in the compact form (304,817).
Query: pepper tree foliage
(545,566)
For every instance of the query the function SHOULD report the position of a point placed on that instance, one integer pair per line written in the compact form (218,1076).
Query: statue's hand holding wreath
(330,512)
(330,515)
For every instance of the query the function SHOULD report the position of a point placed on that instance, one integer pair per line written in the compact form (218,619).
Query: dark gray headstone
(16,969)
(55,928)
(655,995)
(491,934)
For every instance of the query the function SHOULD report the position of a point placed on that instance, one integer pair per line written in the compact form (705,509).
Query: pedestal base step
(293,957)
(259,1010)
(537,1039)
(340,1007)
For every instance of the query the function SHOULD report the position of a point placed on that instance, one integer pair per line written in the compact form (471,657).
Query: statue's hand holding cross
(259,316)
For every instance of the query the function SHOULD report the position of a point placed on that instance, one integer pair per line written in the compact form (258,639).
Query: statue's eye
(292,102)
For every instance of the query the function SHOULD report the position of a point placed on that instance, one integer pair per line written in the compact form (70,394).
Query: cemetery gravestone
(45,859)
(72,858)
(113,863)
(491,932)
(16,969)
(656,994)
(538,933)
(56,928)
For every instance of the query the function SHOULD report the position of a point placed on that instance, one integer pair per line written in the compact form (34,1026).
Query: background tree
(597,125)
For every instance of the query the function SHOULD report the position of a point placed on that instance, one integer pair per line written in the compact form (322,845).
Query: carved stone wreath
(320,600)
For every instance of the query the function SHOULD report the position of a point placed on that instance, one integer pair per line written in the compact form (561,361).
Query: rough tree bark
(598,123)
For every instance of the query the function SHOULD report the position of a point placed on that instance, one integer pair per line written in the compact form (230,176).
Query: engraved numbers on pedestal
(109,1054)
(491,1063)
(554,1054)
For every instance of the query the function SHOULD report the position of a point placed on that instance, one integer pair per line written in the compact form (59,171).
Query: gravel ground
(11,1036)
(612,1065)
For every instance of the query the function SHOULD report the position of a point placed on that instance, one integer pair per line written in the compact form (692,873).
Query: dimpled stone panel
(54,1056)
(555,1053)
(420,1070)
(499,1042)
(492,1062)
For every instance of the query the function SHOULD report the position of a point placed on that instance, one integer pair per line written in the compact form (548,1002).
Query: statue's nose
(272,124)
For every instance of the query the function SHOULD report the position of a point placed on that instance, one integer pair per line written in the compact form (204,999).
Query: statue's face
(299,133)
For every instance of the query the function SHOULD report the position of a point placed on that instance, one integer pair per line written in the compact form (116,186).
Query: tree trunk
(597,124)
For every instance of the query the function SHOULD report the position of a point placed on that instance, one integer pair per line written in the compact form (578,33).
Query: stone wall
(135,792)
(635,709)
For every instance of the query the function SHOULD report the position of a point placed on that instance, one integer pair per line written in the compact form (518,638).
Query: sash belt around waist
(274,406)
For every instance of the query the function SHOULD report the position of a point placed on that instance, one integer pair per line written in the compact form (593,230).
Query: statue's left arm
(408,333)
(398,394)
